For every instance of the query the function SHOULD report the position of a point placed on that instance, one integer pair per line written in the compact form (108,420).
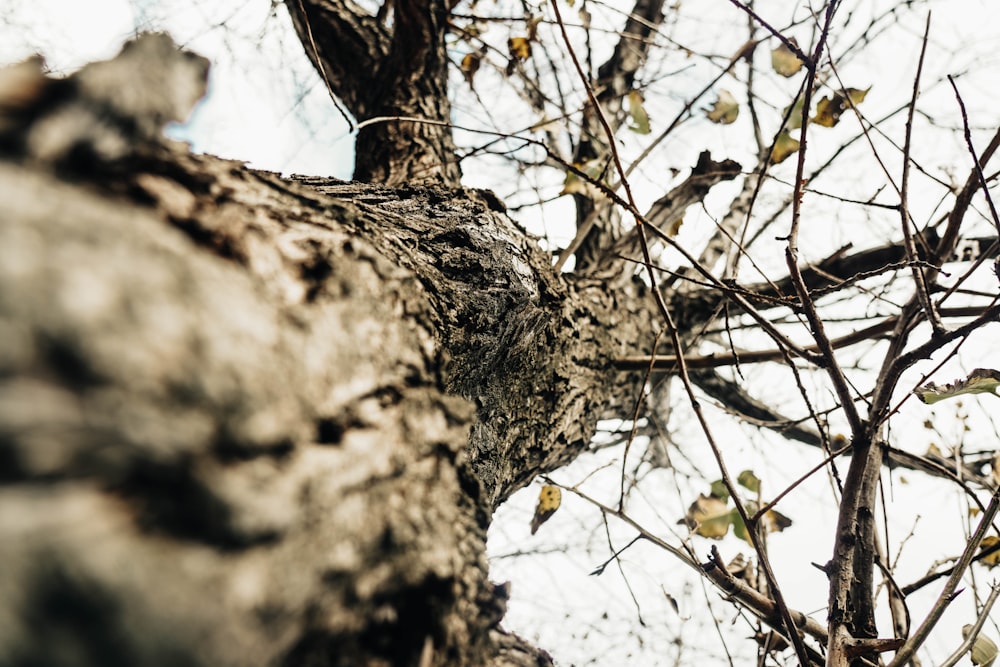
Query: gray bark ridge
(253,421)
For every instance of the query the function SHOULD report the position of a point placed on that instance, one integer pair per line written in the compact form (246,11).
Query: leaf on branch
(748,480)
(794,121)
(980,381)
(709,516)
(637,113)
(725,110)
(719,490)
(784,146)
(784,61)
(519,48)
(984,651)
(574,184)
(830,108)
(549,499)
(772,521)
(993,559)
(470,65)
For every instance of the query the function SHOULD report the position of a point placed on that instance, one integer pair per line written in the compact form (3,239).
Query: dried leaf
(519,48)
(993,559)
(784,146)
(774,521)
(549,499)
(470,65)
(637,113)
(784,61)
(725,110)
(980,381)
(709,517)
(830,108)
(984,651)
(673,603)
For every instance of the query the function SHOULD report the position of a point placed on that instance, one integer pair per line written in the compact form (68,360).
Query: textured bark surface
(253,421)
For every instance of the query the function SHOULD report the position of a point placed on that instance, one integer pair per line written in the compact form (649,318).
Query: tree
(257,420)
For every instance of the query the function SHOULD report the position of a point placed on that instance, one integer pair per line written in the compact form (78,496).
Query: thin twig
(919,278)
(948,593)
(973,633)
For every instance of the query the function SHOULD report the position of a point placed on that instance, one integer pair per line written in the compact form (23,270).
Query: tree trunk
(253,421)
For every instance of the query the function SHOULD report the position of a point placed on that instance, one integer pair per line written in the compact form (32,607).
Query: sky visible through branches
(268,107)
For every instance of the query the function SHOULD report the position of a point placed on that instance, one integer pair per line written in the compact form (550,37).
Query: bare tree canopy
(254,419)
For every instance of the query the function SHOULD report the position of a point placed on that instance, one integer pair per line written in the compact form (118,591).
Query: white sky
(265,103)
(266,106)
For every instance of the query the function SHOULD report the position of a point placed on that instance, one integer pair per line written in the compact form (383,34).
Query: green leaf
(830,108)
(719,490)
(980,381)
(739,528)
(749,481)
(640,120)
(784,61)
(725,110)
(784,146)
(794,121)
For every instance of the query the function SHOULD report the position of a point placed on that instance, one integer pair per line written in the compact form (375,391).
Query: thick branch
(385,74)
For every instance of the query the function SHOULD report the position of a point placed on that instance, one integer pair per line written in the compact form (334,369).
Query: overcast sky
(267,106)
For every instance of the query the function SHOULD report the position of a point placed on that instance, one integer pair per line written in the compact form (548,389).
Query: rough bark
(253,421)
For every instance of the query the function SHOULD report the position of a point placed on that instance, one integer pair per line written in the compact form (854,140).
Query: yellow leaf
(784,146)
(725,110)
(519,48)
(549,499)
(470,65)
(784,61)
(709,517)
(640,120)
(993,559)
